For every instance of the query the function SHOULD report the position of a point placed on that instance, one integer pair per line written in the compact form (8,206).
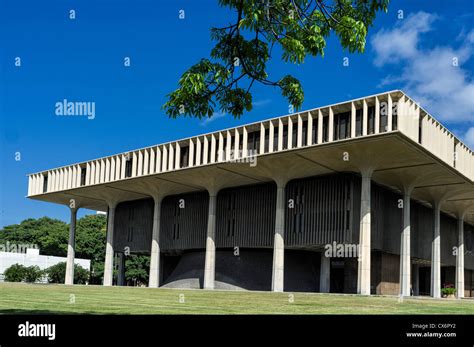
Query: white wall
(32,257)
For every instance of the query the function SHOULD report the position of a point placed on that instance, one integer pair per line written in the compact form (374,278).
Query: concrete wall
(33,258)
(326,209)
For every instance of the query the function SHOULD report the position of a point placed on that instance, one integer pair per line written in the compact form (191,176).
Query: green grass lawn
(19,298)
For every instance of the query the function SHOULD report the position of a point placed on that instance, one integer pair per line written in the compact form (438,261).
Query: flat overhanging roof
(395,158)
(387,133)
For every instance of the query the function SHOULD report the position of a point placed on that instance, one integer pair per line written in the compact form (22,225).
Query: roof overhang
(396,160)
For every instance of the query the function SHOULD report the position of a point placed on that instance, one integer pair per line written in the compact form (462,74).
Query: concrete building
(258,206)
(33,258)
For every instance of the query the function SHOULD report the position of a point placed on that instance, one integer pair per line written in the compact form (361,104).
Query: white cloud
(469,137)
(263,102)
(215,115)
(428,74)
(401,42)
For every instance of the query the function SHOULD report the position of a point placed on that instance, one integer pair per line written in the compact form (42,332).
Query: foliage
(33,274)
(21,273)
(15,273)
(51,237)
(81,275)
(57,273)
(448,289)
(137,268)
(298,28)
(90,243)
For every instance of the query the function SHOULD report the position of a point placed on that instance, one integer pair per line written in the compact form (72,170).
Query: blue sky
(82,60)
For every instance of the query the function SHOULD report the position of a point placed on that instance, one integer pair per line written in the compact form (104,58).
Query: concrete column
(237,144)
(191,153)
(353,120)
(262,139)
(109,249)
(320,127)
(279,241)
(120,269)
(405,259)
(309,130)
(377,115)
(299,132)
(210,263)
(71,248)
(289,144)
(159,159)
(365,118)
(154,278)
(460,260)
(436,254)
(325,274)
(271,136)
(389,113)
(205,153)
(220,148)
(331,125)
(280,135)
(363,270)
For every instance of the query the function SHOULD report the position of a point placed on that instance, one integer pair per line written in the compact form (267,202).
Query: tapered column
(279,241)
(210,262)
(436,254)
(460,260)
(325,274)
(405,257)
(69,278)
(363,274)
(154,279)
(109,248)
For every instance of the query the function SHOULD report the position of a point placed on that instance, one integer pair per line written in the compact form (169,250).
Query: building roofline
(261,121)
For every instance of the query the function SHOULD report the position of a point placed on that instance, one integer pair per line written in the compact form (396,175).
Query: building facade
(369,196)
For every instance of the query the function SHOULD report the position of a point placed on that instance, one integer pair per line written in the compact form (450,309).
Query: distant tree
(137,268)
(52,235)
(81,275)
(244,47)
(57,273)
(90,243)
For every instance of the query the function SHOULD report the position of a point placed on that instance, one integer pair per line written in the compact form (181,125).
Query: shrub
(33,274)
(448,290)
(57,273)
(20,273)
(15,273)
